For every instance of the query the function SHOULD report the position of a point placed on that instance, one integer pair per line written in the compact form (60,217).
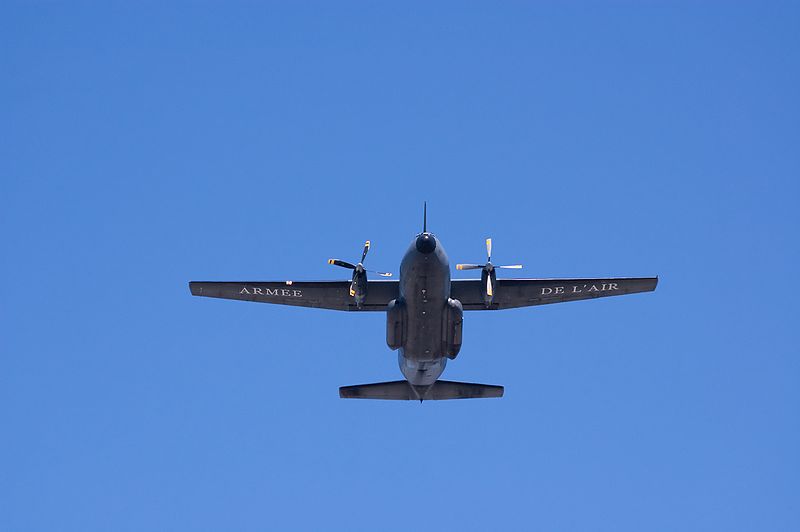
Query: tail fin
(403,391)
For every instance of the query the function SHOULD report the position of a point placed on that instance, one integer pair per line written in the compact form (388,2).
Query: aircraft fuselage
(425,291)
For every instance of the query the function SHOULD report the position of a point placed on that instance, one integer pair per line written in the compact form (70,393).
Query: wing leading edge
(333,295)
(515,293)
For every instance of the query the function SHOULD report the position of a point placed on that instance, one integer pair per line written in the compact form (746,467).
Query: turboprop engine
(488,273)
(358,286)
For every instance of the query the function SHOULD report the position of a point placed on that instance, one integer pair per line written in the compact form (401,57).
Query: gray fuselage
(425,288)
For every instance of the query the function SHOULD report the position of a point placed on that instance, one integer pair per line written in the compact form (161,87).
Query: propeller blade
(489,249)
(489,286)
(366,248)
(343,264)
(359,268)
(469,266)
(511,267)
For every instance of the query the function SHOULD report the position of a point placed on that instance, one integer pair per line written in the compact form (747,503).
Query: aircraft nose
(426,243)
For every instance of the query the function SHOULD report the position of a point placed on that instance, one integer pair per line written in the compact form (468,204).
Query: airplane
(424,309)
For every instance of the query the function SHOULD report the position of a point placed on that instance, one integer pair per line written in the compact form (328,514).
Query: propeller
(488,270)
(488,265)
(359,273)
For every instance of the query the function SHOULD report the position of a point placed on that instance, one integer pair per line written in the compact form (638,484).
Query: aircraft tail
(403,391)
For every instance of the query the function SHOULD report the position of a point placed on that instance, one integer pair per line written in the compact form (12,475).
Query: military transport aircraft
(424,309)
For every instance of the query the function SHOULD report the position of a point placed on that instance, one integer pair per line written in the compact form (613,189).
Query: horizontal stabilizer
(397,390)
(403,391)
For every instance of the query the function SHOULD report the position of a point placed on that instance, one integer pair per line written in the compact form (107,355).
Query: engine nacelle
(452,326)
(396,324)
(358,288)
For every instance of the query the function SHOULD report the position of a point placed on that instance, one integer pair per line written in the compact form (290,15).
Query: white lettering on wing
(579,289)
(275,292)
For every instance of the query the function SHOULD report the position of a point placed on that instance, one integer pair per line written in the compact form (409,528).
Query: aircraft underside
(424,310)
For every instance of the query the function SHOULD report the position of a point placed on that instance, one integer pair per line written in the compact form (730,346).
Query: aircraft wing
(514,293)
(334,295)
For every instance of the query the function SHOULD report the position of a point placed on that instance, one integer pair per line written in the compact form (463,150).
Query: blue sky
(144,147)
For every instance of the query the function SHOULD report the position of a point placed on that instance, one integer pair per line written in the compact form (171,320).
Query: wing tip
(195,288)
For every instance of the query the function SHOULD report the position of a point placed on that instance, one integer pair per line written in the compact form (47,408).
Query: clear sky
(144,147)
